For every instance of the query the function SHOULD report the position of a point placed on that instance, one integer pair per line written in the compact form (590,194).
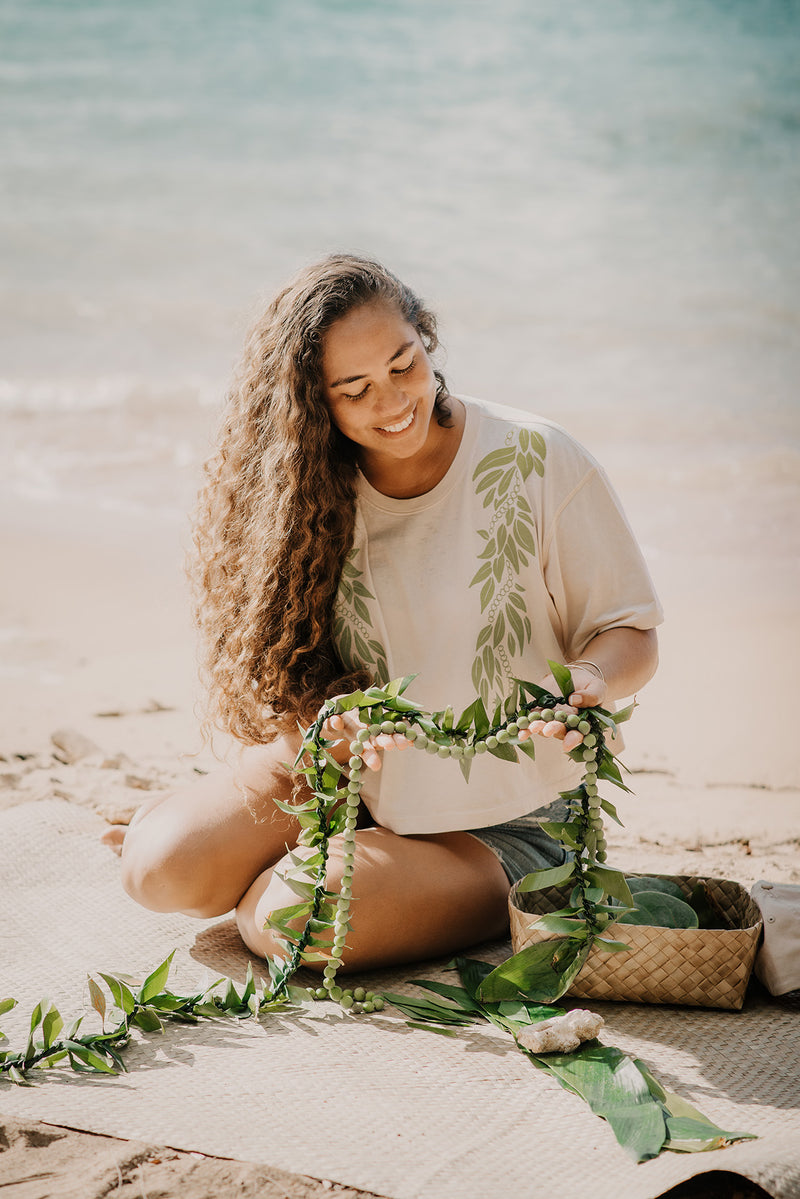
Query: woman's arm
(626,658)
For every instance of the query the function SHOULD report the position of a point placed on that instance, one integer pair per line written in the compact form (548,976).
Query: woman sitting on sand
(359,523)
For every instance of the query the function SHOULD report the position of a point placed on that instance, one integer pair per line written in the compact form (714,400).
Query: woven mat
(364,1101)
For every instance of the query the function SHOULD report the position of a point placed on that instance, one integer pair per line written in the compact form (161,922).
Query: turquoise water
(600,199)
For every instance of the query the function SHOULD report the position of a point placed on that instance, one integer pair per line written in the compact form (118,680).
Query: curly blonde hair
(276,514)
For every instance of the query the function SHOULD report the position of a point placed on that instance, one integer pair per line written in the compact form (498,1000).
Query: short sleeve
(593,567)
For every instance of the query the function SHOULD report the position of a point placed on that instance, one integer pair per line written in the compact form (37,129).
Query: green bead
(590,740)
(320,993)
(355,748)
(547,714)
(443,751)
(355,762)
(368,1007)
(502,736)
(357,1008)
(456,751)
(387,726)
(469,751)
(411,733)
(336,993)
(589,755)
(422,741)
(362,735)
(480,747)
(573,720)
(337,951)
(523,722)
(491,742)
(400,726)
(346,1001)
(513,729)
(431,748)
(354,787)
(561,717)
(374,730)
(360,994)
(584,726)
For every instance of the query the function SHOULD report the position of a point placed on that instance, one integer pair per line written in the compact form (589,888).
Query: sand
(99,700)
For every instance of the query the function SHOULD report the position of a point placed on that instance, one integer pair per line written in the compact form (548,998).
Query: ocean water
(600,200)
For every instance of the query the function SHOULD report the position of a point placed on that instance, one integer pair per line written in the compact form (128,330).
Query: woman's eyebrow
(355,378)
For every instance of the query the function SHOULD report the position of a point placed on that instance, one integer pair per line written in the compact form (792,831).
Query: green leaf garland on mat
(644,1117)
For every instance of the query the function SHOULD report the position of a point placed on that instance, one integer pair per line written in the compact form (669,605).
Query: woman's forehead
(371,331)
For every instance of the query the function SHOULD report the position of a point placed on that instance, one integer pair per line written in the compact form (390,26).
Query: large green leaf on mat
(644,1117)
(542,971)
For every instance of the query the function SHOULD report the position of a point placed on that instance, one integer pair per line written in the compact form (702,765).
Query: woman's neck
(403,479)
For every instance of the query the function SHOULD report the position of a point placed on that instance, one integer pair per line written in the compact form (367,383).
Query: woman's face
(379,383)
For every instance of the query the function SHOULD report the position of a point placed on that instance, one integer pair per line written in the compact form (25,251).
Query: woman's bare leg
(413,898)
(199,849)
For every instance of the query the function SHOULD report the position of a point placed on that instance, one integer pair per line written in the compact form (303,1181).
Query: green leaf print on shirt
(353,628)
(510,544)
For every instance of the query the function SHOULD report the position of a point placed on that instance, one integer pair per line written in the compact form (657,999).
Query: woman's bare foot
(114,836)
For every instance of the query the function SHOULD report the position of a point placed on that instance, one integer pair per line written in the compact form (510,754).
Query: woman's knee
(155,867)
(267,895)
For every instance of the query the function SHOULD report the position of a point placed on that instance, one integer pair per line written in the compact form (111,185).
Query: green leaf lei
(644,1117)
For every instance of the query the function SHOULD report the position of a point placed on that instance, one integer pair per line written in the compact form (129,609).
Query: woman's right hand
(344,728)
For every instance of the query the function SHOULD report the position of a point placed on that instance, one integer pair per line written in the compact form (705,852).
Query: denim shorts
(521,845)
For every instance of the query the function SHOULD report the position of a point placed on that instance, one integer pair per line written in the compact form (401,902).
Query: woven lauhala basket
(696,967)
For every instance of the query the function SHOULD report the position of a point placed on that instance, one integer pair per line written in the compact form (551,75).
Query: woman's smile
(400,426)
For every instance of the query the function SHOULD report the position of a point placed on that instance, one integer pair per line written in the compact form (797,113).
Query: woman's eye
(403,370)
(360,395)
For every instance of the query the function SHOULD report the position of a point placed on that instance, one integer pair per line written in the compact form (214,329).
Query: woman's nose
(392,397)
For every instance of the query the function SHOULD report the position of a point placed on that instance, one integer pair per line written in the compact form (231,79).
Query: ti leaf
(552,877)
(542,971)
(156,981)
(609,1081)
(563,678)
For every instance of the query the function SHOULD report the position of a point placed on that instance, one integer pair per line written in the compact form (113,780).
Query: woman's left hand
(589,692)
(348,726)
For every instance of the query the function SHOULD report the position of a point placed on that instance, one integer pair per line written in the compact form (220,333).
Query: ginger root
(561,1034)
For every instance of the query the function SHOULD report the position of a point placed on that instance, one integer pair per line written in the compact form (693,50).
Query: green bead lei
(332,809)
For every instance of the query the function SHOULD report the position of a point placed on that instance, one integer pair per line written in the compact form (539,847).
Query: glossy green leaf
(613,882)
(52,1025)
(661,911)
(566,926)
(543,971)
(646,882)
(458,995)
(553,876)
(16,1076)
(88,1057)
(156,981)
(146,1019)
(505,751)
(609,1081)
(624,714)
(120,993)
(563,677)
